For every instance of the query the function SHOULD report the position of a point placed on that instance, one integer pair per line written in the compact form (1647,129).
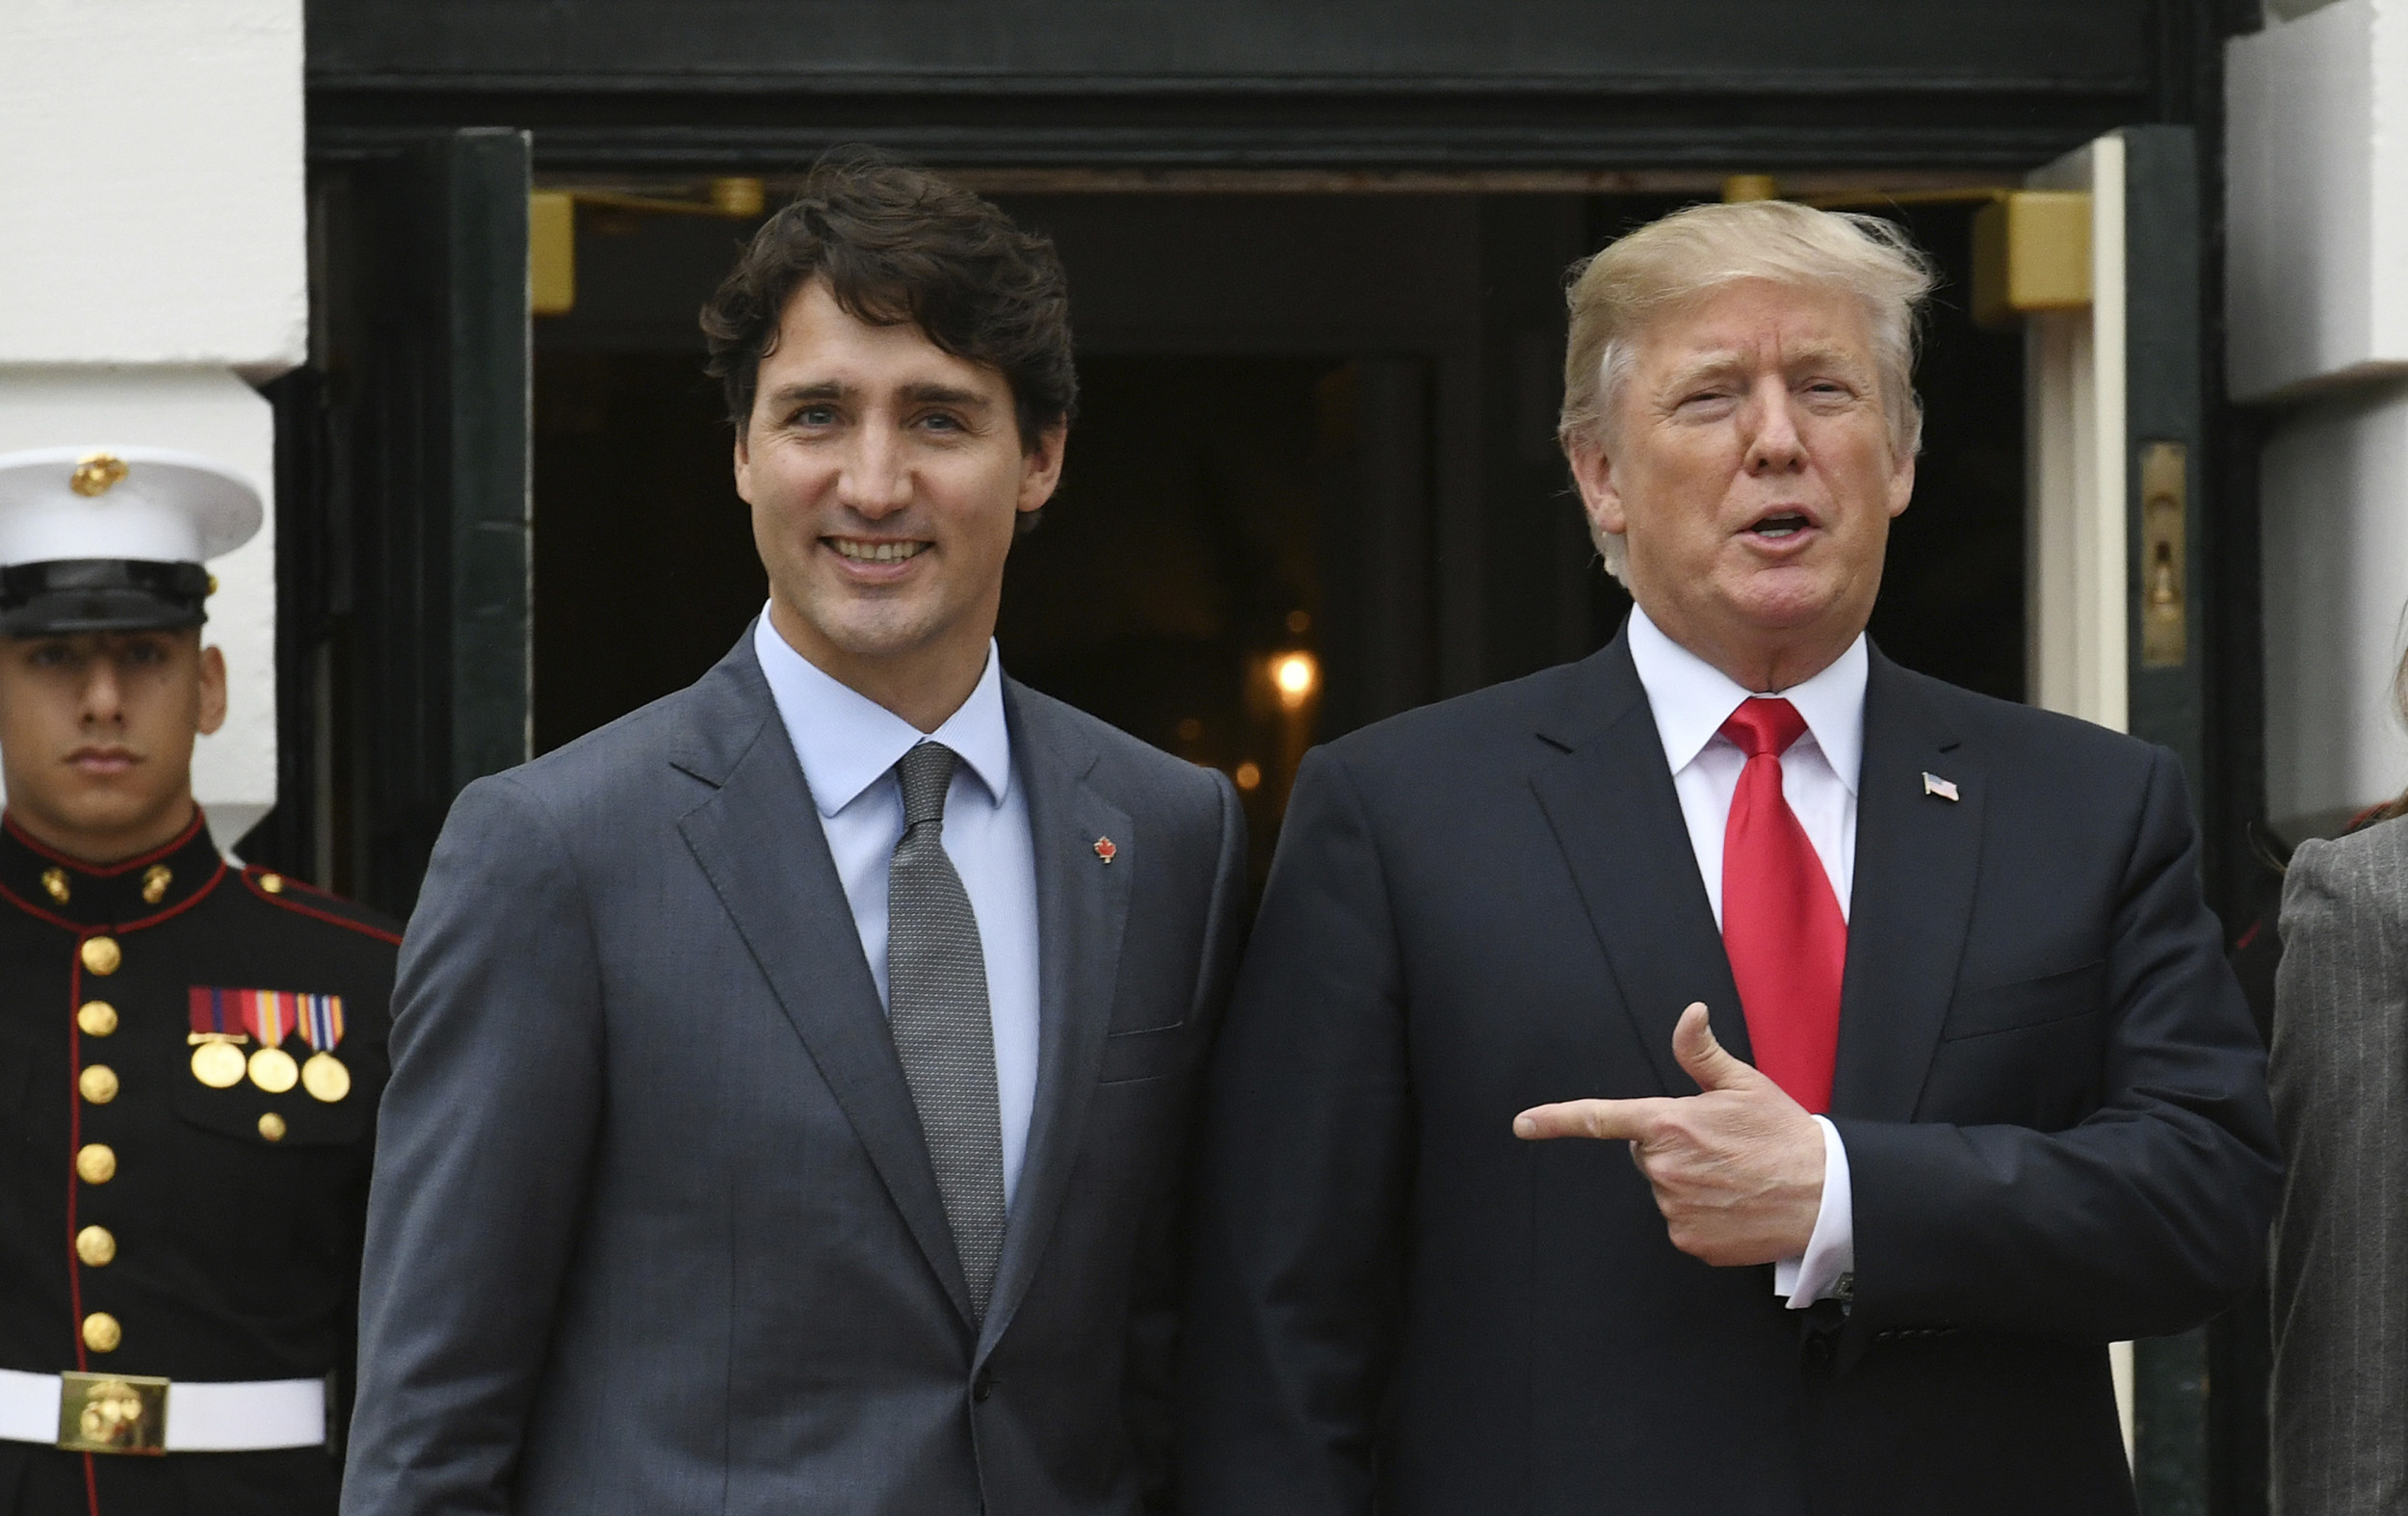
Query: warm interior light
(1294,675)
(1248,776)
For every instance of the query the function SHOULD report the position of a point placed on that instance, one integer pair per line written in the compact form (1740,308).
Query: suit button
(95,1245)
(101,954)
(272,1126)
(98,1082)
(101,1332)
(97,1017)
(95,1163)
(982,1386)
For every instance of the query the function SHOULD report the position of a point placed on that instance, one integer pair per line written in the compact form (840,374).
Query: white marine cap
(95,538)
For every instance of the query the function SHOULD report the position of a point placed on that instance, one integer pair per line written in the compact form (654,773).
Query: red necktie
(1781,923)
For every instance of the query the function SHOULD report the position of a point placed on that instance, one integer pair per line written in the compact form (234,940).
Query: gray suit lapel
(1917,858)
(758,841)
(1082,907)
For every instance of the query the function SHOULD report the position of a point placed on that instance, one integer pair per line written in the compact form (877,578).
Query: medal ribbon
(270,1013)
(208,1008)
(322,1021)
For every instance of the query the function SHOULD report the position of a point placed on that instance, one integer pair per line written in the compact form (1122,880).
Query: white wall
(2317,303)
(2316,159)
(151,155)
(152,261)
(2335,487)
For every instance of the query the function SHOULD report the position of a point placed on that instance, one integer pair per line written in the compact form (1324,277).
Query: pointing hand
(1736,1169)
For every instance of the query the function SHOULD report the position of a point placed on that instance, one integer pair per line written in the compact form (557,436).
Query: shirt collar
(1691,698)
(847,742)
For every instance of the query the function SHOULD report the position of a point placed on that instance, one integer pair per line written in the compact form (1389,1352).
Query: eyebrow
(922,394)
(1713,364)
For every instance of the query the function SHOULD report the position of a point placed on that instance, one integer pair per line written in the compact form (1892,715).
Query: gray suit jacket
(653,1227)
(2340,1076)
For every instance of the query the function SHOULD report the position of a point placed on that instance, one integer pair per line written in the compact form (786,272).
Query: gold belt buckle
(113,1413)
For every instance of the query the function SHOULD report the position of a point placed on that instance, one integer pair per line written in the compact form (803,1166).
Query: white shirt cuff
(1831,1251)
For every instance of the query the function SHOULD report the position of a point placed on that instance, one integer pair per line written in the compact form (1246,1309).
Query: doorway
(1313,480)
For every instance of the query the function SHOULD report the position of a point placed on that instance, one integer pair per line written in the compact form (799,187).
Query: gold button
(101,1332)
(271,1126)
(273,884)
(98,1082)
(101,954)
(97,1017)
(95,1245)
(53,880)
(95,1163)
(155,882)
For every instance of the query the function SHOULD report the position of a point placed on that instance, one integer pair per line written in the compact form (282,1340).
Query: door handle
(2165,566)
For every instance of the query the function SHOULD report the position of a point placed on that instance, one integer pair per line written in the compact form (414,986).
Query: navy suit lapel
(758,841)
(1916,857)
(1608,797)
(1082,908)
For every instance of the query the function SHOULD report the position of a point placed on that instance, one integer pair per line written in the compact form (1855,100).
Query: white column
(152,269)
(2317,160)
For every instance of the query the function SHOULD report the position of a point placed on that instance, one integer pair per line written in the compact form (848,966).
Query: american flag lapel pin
(1933,784)
(1104,849)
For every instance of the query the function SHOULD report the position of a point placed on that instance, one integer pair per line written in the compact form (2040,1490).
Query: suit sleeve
(2341,1239)
(2145,1218)
(1148,1391)
(484,1140)
(1304,1180)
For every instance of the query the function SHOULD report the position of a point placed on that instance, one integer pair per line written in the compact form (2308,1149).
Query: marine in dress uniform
(191,1054)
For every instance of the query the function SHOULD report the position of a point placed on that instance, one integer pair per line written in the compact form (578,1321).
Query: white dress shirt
(1691,698)
(849,745)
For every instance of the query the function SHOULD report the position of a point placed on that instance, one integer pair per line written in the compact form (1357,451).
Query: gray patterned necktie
(937,1010)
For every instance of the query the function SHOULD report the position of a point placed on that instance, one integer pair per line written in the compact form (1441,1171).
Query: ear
(744,461)
(1040,467)
(1592,470)
(1901,484)
(212,691)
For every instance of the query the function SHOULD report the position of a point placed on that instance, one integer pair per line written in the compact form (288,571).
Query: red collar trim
(109,871)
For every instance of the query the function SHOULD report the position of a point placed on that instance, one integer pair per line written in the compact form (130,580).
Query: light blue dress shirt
(849,745)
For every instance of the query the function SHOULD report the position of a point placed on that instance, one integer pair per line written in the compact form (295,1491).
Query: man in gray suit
(791,1079)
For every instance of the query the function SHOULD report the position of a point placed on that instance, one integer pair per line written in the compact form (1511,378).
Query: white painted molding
(2317,199)
(152,154)
(2074,371)
(2333,485)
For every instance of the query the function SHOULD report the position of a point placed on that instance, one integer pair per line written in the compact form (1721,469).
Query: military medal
(324,1076)
(269,1013)
(217,1054)
(223,1019)
(217,1064)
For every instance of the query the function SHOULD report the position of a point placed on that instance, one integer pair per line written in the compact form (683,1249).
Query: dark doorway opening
(1315,427)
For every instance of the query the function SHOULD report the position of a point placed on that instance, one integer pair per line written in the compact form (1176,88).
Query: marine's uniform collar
(129,893)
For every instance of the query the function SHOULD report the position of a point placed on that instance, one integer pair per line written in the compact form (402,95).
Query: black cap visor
(101,595)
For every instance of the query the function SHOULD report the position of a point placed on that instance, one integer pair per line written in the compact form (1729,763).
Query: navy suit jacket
(2052,1097)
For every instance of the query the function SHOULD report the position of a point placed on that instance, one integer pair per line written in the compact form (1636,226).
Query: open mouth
(1780,525)
(861,550)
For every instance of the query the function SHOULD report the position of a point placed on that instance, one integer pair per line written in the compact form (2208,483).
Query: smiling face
(97,734)
(1749,468)
(886,479)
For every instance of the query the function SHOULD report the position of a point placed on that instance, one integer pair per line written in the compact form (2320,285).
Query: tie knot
(925,771)
(1764,726)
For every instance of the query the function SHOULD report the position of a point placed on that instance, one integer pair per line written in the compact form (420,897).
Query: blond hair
(1667,264)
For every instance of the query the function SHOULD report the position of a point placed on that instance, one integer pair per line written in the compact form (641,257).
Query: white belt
(120,1410)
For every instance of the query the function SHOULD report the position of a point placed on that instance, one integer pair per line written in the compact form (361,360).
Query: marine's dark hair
(899,244)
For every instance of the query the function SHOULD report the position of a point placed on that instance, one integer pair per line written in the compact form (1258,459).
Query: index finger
(1606,1121)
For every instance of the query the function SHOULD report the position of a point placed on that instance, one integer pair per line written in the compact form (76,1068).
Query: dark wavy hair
(899,244)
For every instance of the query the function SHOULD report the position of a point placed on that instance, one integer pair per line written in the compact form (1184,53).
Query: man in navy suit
(1730,1073)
